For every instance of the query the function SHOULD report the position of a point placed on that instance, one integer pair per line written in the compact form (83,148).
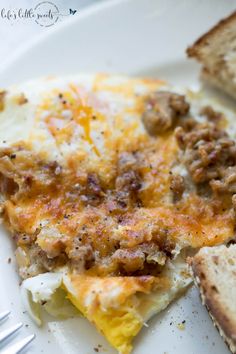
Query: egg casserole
(107,183)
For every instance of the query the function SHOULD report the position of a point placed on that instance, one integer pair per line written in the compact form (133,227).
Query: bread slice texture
(214,272)
(216,51)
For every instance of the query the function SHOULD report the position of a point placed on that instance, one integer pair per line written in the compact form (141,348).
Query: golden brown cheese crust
(105,230)
(116,214)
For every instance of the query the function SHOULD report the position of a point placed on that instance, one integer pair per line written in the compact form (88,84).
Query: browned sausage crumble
(209,155)
(177,185)
(211,114)
(162,110)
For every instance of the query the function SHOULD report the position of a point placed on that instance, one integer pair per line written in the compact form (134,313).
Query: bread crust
(217,83)
(194,51)
(211,298)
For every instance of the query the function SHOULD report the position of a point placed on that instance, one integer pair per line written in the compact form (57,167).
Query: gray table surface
(14,32)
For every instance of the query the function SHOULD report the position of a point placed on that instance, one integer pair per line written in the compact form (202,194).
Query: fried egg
(88,196)
(118,306)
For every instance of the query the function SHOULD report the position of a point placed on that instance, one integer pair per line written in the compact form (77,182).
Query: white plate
(137,37)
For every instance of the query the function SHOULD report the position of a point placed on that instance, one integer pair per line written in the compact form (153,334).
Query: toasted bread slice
(216,51)
(214,271)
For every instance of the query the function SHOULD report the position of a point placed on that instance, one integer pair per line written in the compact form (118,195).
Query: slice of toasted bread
(216,51)
(214,271)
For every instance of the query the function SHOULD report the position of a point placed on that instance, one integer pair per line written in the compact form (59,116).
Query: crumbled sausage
(196,134)
(227,180)
(128,181)
(39,262)
(26,170)
(178,104)
(53,167)
(92,193)
(210,156)
(130,260)
(161,111)
(211,114)
(81,255)
(177,185)
(137,259)
(8,186)
(93,184)
(153,252)
(127,186)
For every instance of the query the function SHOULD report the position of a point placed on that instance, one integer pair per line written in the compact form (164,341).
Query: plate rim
(93,10)
(39,38)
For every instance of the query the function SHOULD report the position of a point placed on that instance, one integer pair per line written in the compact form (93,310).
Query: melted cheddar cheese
(85,186)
